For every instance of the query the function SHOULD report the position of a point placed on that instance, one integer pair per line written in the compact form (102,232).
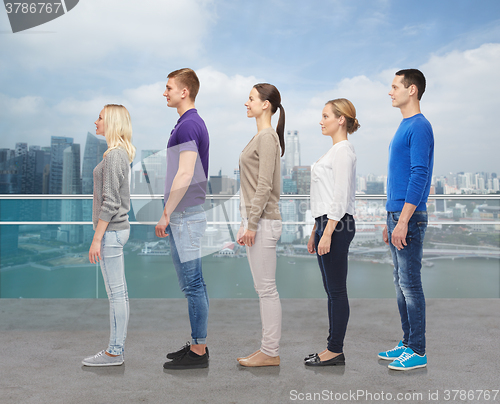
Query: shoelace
(404,357)
(99,354)
(187,344)
(396,349)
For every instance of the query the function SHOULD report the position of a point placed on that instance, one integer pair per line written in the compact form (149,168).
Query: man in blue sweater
(411,158)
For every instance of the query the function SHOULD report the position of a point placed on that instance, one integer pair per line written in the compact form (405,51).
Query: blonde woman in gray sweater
(110,218)
(260,229)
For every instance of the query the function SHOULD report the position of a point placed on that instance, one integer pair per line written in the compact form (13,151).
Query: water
(298,277)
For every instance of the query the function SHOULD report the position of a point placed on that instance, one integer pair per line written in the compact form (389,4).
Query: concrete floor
(44,341)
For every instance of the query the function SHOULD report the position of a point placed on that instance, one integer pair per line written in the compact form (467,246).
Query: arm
(421,143)
(421,146)
(326,238)
(343,176)
(343,171)
(239,235)
(267,152)
(95,247)
(113,176)
(180,185)
(310,244)
(398,238)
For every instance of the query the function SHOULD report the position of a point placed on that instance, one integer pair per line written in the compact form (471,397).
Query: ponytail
(268,92)
(280,129)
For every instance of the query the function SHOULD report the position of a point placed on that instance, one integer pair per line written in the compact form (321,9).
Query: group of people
(333,185)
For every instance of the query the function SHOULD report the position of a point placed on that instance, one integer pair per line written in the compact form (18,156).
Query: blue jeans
(186,229)
(333,268)
(113,272)
(408,281)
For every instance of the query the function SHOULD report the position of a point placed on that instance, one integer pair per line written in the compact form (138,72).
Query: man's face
(399,94)
(173,93)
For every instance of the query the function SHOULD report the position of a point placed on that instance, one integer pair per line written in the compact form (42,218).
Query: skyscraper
(94,150)
(292,151)
(57,146)
(71,210)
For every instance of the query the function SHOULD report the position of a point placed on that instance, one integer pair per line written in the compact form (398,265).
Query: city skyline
(53,83)
(60,169)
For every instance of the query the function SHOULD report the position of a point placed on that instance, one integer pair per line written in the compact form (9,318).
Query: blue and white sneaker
(393,353)
(409,360)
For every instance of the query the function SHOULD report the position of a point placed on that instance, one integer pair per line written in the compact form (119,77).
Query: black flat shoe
(339,360)
(312,355)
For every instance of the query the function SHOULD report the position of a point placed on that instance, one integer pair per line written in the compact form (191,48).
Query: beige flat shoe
(249,356)
(260,359)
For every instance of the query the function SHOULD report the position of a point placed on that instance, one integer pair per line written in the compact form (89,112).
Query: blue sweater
(411,158)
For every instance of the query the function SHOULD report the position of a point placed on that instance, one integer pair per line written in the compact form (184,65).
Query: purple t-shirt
(190,133)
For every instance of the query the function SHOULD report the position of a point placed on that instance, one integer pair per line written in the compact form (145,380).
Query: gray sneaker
(101,359)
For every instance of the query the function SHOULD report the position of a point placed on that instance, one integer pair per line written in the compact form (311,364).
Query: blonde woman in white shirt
(333,185)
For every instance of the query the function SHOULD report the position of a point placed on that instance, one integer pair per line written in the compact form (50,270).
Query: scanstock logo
(28,14)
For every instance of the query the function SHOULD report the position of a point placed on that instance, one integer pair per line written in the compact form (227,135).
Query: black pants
(333,268)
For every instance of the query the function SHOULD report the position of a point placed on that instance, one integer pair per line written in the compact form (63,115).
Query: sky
(55,78)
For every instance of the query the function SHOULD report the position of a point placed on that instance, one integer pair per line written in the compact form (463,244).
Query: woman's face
(329,122)
(99,124)
(255,106)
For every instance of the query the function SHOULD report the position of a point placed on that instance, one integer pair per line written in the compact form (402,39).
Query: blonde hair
(343,107)
(118,129)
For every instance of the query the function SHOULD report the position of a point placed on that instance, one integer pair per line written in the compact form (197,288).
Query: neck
(339,136)
(263,122)
(181,109)
(410,109)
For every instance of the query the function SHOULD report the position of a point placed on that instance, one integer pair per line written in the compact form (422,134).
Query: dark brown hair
(268,92)
(415,77)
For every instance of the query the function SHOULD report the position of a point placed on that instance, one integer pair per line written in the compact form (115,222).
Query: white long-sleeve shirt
(333,182)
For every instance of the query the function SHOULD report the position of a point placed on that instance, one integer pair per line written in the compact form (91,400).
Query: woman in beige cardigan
(260,229)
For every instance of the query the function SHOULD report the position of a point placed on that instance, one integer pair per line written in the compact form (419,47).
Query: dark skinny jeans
(333,268)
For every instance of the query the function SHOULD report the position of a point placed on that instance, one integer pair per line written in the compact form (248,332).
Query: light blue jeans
(407,279)
(113,272)
(186,229)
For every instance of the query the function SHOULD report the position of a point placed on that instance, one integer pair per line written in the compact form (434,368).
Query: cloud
(97,32)
(460,102)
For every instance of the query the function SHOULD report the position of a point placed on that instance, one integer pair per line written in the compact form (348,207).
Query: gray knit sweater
(112,191)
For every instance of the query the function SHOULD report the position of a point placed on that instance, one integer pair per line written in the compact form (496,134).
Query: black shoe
(180,352)
(316,361)
(188,360)
(312,355)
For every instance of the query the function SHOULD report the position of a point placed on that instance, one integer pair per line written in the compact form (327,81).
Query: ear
(266,104)
(185,93)
(413,89)
(342,120)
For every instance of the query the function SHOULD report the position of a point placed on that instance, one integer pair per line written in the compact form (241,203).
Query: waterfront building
(292,154)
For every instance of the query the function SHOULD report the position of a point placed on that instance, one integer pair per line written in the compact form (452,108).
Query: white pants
(262,260)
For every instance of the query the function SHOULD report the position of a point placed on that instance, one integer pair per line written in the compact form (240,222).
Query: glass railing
(44,241)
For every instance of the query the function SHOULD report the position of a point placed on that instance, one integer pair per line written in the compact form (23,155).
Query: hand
(241,230)
(324,244)
(311,248)
(161,227)
(248,238)
(398,238)
(95,252)
(385,237)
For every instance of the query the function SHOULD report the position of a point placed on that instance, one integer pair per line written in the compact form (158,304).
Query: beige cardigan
(260,178)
